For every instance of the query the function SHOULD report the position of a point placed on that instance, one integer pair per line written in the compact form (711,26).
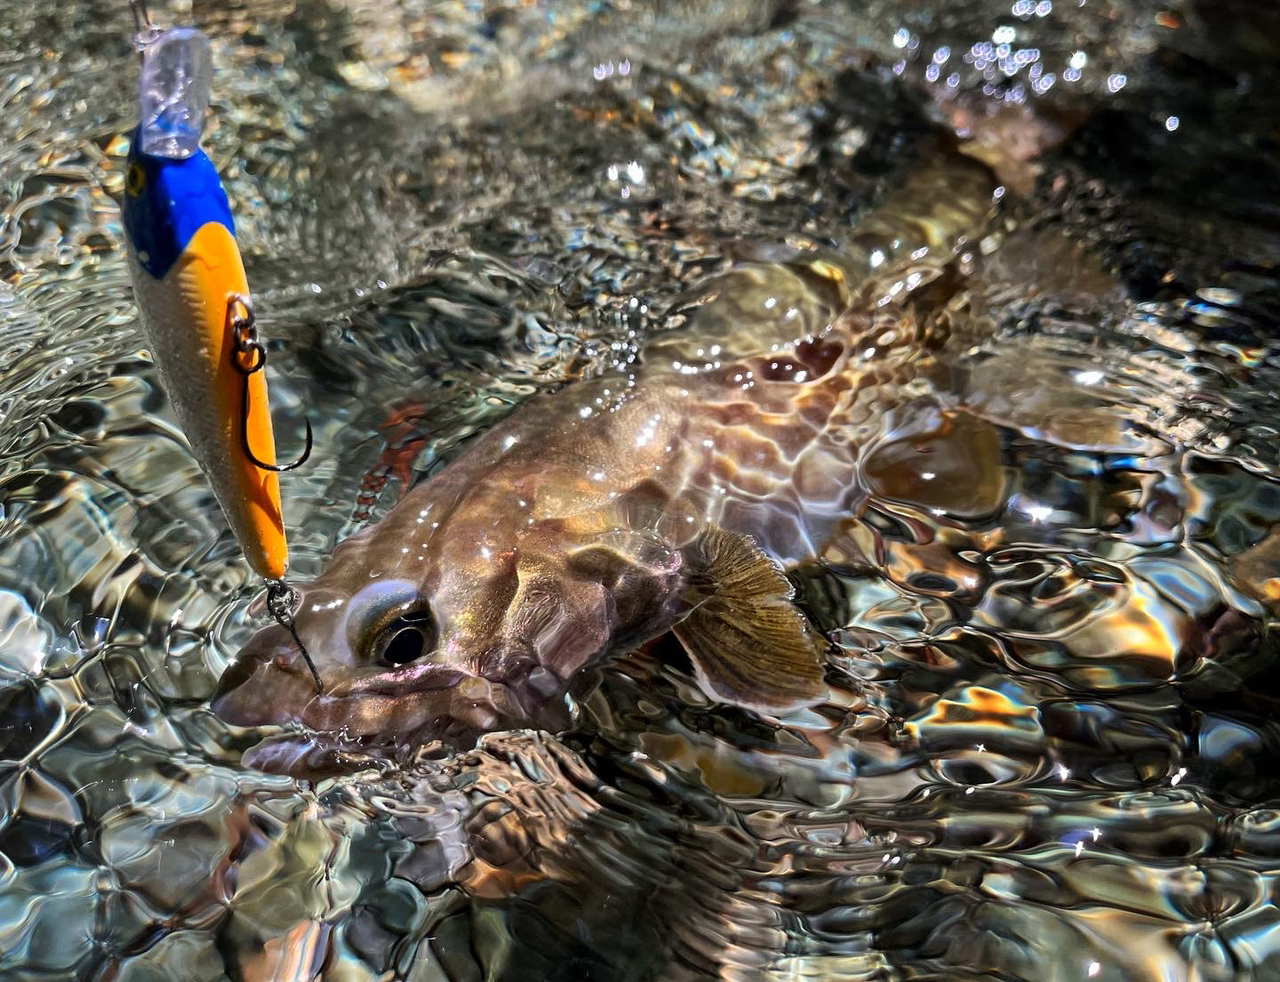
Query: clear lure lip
(174,91)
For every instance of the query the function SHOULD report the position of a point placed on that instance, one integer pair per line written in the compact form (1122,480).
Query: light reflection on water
(1049,753)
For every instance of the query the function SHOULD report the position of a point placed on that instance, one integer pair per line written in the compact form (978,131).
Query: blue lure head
(166,201)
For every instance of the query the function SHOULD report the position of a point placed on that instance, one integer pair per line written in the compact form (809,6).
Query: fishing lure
(194,299)
(193,296)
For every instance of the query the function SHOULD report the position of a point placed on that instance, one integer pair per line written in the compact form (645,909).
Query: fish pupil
(407,638)
(404,646)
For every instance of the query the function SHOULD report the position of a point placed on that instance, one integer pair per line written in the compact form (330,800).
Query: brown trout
(669,497)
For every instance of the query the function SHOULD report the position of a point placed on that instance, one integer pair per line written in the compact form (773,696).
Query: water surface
(1050,752)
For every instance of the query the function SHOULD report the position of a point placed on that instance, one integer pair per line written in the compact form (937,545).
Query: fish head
(425,631)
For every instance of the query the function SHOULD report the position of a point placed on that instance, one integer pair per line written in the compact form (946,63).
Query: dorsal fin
(749,643)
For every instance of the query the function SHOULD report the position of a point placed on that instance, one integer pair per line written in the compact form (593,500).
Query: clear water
(1051,748)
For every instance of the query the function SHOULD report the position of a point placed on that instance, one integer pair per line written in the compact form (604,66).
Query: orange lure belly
(185,315)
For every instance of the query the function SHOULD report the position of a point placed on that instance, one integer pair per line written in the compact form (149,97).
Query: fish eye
(406,639)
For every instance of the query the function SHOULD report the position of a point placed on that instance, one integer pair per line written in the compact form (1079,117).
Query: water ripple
(1047,749)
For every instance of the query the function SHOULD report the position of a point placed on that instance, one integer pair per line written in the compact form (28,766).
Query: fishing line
(141,16)
(144,31)
(283,602)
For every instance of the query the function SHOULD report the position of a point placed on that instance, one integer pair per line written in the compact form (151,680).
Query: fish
(193,298)
(669,496)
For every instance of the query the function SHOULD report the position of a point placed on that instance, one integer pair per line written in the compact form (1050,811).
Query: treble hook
(241,320)
(282,602)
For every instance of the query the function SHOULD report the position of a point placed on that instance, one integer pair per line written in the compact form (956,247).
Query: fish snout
(267,683)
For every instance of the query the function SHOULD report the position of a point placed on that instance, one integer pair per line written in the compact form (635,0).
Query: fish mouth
(428,701)
(310,734)
(380,714)
(265,683)
(410,679)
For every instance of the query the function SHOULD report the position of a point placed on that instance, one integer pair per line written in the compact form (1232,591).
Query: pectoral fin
(749,643)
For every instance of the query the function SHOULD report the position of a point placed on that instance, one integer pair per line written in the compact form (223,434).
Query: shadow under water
(1049,748)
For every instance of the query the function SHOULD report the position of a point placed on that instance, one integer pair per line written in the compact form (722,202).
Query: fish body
(187,274)
(669,496)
